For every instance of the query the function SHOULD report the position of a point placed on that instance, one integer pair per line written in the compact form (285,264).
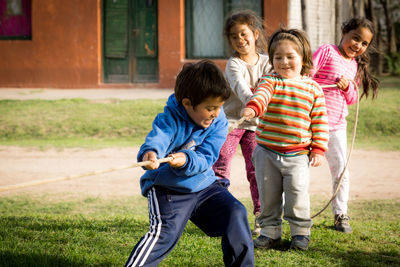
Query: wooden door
(144,40)
(130,41)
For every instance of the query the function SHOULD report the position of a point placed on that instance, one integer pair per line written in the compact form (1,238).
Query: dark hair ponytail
(365,76)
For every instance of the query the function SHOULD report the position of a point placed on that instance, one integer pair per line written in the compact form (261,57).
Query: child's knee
(238,210)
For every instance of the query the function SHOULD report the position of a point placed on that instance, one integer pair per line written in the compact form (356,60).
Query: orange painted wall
(63,51)
(171,38)
(276,12)
(66,46)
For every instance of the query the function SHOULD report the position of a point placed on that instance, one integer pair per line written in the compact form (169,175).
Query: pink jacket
(329,67)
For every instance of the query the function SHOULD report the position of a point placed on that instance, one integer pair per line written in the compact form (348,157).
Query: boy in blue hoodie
(191,130)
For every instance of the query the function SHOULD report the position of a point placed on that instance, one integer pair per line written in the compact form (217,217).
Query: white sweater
(243,79)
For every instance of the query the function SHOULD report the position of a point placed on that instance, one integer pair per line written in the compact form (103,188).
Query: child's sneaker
(342,223)
(300,242)
(266,242)
(257,227)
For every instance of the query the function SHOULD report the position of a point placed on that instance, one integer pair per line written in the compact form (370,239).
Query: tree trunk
(377,60)
(379,55)
(391,38)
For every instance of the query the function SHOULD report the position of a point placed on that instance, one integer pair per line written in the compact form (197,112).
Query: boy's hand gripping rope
(70,177)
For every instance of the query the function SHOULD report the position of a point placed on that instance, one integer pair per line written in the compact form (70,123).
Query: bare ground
(374,174)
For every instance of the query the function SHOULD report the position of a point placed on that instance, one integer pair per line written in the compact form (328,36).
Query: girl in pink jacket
(341,65)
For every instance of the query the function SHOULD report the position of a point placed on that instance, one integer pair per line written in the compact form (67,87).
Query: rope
(145,163)
(336,191)
(70,177)
(234,125)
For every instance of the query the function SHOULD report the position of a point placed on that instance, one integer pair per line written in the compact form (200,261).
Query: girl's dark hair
(300,39)
(364,76)
(199,81)
(253,21)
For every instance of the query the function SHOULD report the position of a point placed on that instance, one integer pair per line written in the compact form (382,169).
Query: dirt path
(374,174)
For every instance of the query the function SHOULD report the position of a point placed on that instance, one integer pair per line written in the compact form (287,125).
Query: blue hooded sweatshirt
(174,131)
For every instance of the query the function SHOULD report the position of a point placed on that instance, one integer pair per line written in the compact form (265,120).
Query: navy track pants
(214,210)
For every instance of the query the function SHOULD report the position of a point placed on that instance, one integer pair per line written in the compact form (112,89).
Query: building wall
(66,46)
(320,22)
(276,13)
(319,18)
(171,40)
(295,20)
(64,50)
(323,19)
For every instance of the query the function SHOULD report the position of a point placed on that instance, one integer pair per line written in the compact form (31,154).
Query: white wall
(322,23)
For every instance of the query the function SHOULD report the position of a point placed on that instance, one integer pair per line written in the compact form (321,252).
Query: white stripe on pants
(336,157)
(152,236)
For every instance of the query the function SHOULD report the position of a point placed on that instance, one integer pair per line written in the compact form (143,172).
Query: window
(204,25)
(15,19)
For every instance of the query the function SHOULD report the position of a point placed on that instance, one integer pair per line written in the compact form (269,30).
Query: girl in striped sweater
(338,65)
(291,135)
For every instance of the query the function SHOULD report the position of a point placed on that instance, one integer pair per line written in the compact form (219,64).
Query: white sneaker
(342,223)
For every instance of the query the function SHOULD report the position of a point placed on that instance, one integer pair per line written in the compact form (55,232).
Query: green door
(144,37)
(130,41)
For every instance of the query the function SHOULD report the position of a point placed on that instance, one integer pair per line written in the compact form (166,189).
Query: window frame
(189,42)
(28,8)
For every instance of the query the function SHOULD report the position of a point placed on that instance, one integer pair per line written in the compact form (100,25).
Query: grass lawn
(76,122)
(378,119)
(50,230)
(85,123)
(100,232)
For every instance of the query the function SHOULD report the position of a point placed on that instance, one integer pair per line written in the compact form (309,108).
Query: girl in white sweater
(246,37)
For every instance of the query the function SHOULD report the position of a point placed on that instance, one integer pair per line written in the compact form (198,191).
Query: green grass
(113,123)
(50,230)
(379,119)
(99,232)
(76,122)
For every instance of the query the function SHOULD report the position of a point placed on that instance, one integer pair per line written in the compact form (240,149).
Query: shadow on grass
(72,241)
(73,224)
(38,259)
(357,257)
(75,241)
(389,81)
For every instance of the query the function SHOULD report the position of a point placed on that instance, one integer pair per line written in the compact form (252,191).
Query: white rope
(233,125)
(336,191)
(70,177)
(145,163)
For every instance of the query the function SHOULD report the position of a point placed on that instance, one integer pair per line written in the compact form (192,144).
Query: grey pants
(276,175)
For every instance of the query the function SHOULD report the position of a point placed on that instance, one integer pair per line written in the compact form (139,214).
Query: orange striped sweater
(293,118)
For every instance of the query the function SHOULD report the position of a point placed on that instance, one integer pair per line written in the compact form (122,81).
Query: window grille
(204,25)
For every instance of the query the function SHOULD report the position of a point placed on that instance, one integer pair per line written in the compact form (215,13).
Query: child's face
(243,39)
(286,60)
(205,112)
(355,42)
